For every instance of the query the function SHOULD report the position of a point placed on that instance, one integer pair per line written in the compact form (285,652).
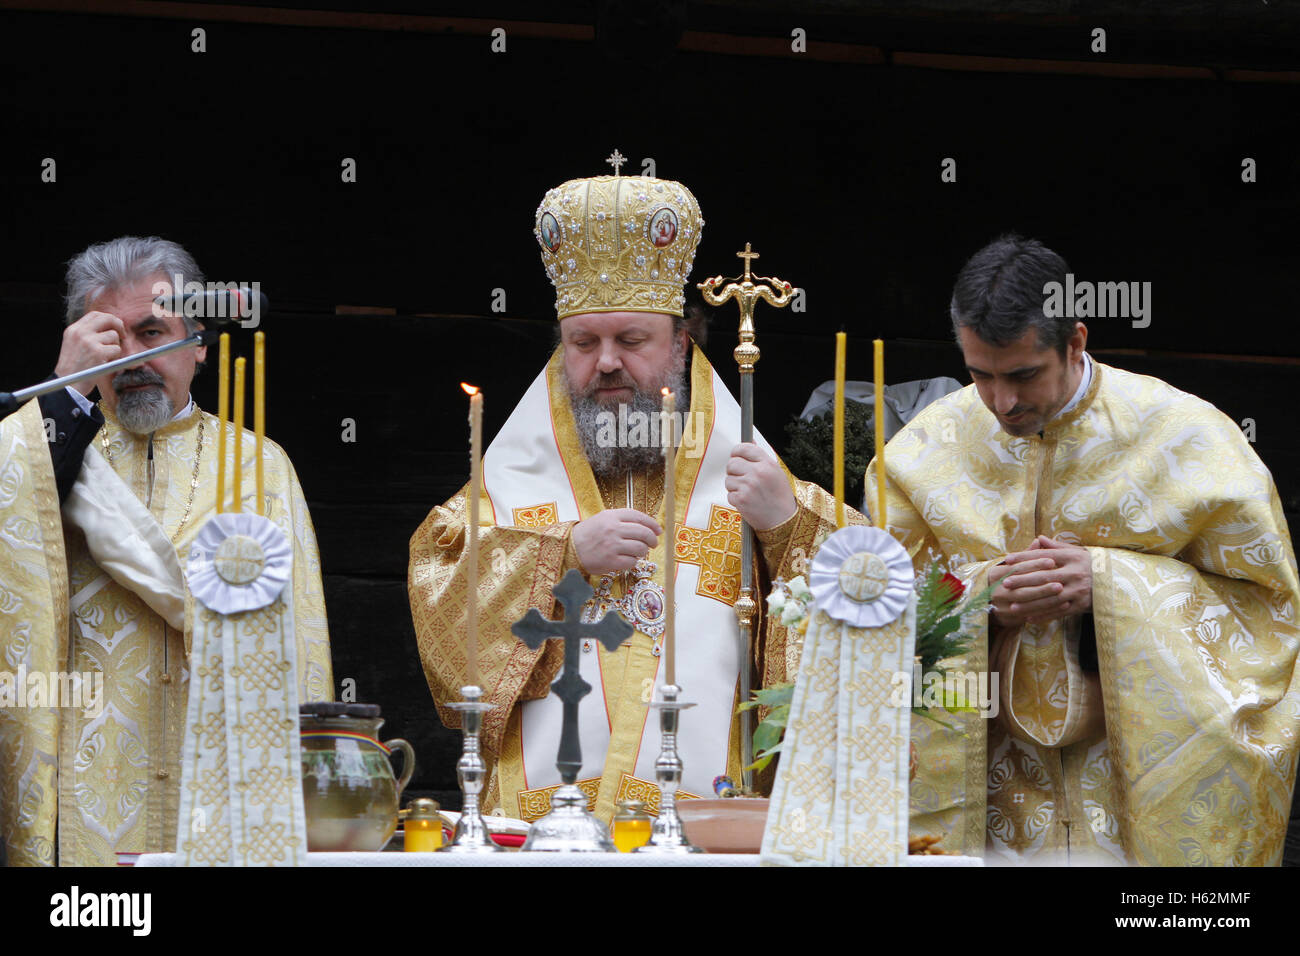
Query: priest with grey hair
(101,501)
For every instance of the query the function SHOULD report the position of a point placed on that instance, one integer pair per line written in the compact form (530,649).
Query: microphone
(241,304)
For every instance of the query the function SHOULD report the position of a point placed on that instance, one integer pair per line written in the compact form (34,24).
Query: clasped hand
(616,539)
(1050,580)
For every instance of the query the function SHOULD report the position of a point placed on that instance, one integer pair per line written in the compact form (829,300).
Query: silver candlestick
(667,834)
(471,831)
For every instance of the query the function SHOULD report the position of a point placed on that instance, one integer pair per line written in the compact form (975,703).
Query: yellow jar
(422,826)
(631,826)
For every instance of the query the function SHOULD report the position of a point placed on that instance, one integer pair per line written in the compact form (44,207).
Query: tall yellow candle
(839,429)
(475,484)
(259,413)
(881,515)
(236,505)
(668,429)
(223,416)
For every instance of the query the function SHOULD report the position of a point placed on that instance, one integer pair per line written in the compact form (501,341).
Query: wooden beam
(692,41)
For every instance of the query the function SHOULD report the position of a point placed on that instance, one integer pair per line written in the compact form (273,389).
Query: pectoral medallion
(641,604)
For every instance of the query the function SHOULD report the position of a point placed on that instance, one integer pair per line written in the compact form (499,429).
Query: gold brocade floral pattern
(535,516)
(646,791)
(108,782)
(536,803)
(1194,603)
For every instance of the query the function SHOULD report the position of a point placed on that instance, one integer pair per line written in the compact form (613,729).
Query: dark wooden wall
(828,162)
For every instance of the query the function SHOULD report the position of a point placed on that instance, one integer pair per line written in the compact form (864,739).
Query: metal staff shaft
(9,401)
(747,292)
(745,604)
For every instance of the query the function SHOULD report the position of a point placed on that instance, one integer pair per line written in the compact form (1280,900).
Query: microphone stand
(10,401)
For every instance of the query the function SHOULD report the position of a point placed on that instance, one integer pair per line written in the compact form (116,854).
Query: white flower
(799,587)
(792,613)
(775,601)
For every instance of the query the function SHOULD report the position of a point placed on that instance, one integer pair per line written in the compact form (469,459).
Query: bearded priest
(99,503)
(575,479)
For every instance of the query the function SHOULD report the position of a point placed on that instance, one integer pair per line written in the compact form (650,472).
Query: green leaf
(766,736)
(775,695)
(927,601)
(764,758)
(946,626)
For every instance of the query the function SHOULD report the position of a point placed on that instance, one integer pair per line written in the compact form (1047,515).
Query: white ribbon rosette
(239,562)
(243,774)
(861,576)
(840,796)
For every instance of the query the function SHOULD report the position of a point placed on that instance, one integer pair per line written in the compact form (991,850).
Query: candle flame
(469,389)
(665,392)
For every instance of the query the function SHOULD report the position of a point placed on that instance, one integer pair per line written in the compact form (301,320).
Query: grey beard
(145,411)
(617,459)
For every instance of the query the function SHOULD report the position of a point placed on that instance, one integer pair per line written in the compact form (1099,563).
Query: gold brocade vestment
(1194,602)
(526,550)
(101,783)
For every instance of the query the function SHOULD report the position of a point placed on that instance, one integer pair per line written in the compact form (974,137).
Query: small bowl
(725,824)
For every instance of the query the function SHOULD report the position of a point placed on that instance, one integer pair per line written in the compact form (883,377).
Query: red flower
(949,589)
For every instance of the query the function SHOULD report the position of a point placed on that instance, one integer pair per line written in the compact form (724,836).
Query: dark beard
(613,459)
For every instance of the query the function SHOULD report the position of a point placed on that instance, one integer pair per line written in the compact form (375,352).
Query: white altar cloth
(524,860)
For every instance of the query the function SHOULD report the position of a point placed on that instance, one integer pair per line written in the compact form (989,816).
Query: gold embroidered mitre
(618,244)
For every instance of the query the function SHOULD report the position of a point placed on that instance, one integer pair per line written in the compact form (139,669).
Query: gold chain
(194,479)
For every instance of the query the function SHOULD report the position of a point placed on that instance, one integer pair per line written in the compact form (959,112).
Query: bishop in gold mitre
(574,480)
(1144,623)
(98,507)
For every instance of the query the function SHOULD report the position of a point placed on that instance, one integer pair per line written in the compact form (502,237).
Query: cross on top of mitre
(616,159)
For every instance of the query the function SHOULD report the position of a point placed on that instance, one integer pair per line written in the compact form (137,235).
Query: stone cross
(572,592)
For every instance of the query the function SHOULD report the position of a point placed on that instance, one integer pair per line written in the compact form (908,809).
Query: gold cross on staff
(616,159)
(747,256)
(747,291)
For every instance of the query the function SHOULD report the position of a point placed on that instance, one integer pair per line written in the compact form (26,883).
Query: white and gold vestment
(1194,593)
(537,485)
(77,788)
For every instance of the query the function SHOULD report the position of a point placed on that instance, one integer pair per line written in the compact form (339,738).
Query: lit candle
(839,429)
(668,431)
(236,504)
(475,483)
(880,433)
(223,416)
(259,413)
